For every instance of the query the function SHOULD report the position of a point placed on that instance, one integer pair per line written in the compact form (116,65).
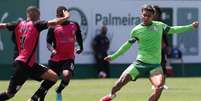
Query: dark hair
(32,8)
(157,10)
(60,10)
(148,8)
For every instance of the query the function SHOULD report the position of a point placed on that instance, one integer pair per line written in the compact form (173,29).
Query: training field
(180,89)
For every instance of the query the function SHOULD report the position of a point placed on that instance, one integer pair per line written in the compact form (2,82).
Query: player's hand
(78,51)
(54,52)
(195,24)
(108,58)
(66,14)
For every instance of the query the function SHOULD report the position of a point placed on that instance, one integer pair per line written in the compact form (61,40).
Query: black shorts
(22,73)
(59,66)
(23,70)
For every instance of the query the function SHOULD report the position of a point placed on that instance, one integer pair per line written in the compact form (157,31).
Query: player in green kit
(148,35)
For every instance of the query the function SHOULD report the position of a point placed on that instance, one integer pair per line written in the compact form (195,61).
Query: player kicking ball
(148,35)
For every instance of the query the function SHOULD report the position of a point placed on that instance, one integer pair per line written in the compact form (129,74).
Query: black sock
(45,86)
(62,85)
(4,96)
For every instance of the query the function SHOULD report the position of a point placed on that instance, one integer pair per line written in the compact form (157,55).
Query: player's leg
(99,61)
(104,66)
(131,73)
(163,65)
(17,80)
(43,73)
(55,66)
(67,72)
(157,80)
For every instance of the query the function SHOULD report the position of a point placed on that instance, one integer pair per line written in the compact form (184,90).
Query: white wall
(119,33)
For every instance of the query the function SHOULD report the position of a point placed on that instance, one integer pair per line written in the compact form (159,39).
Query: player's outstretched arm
(2,25)
(185,28)
(59,20)
(121,50)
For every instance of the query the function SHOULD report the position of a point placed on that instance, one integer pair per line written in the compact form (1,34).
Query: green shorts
(142,69)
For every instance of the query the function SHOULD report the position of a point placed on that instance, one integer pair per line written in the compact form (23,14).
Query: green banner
(11,10)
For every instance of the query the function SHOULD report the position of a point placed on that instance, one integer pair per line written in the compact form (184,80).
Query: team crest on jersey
(154,29)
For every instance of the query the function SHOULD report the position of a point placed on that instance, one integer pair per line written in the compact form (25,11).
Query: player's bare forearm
(2,25)
(59,20)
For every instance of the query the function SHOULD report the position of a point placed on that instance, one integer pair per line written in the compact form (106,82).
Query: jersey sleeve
(180,29)
(127,45)
(176,29)
(121,50)
(79,36)
(133,36)
(166,28)
(12,25)
(41,25)
(50,36)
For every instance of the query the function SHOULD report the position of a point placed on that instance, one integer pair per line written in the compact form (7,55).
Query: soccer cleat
(106,98)
(58,97)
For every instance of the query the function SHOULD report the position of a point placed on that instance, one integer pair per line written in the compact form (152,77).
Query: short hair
(148,8)
(60,10)
(157,10)
(32,8)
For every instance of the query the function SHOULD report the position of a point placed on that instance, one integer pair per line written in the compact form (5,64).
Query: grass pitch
(180,89)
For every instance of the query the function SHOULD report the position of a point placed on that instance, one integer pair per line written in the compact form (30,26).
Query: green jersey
(149,40)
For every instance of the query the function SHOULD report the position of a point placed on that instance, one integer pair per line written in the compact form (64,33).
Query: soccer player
(61,41)
(27,35)
(148,35)
(165,49)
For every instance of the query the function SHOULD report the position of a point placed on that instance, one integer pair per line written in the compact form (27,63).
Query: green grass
(180,89)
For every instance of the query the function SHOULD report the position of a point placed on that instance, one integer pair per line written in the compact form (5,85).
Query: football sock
(112,95)
(4,96)
(45,86)
(62,85)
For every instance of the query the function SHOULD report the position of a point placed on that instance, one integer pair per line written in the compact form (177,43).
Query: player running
(61,41)
(27,34)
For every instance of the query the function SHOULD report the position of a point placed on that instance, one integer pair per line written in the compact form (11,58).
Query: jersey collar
(148,24)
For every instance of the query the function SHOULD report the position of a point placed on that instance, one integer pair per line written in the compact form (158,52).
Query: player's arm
(2,25)
(124,47)
(121,50)
(185,28)
(50,39)
(10,26)
(79,39)
(59,20)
